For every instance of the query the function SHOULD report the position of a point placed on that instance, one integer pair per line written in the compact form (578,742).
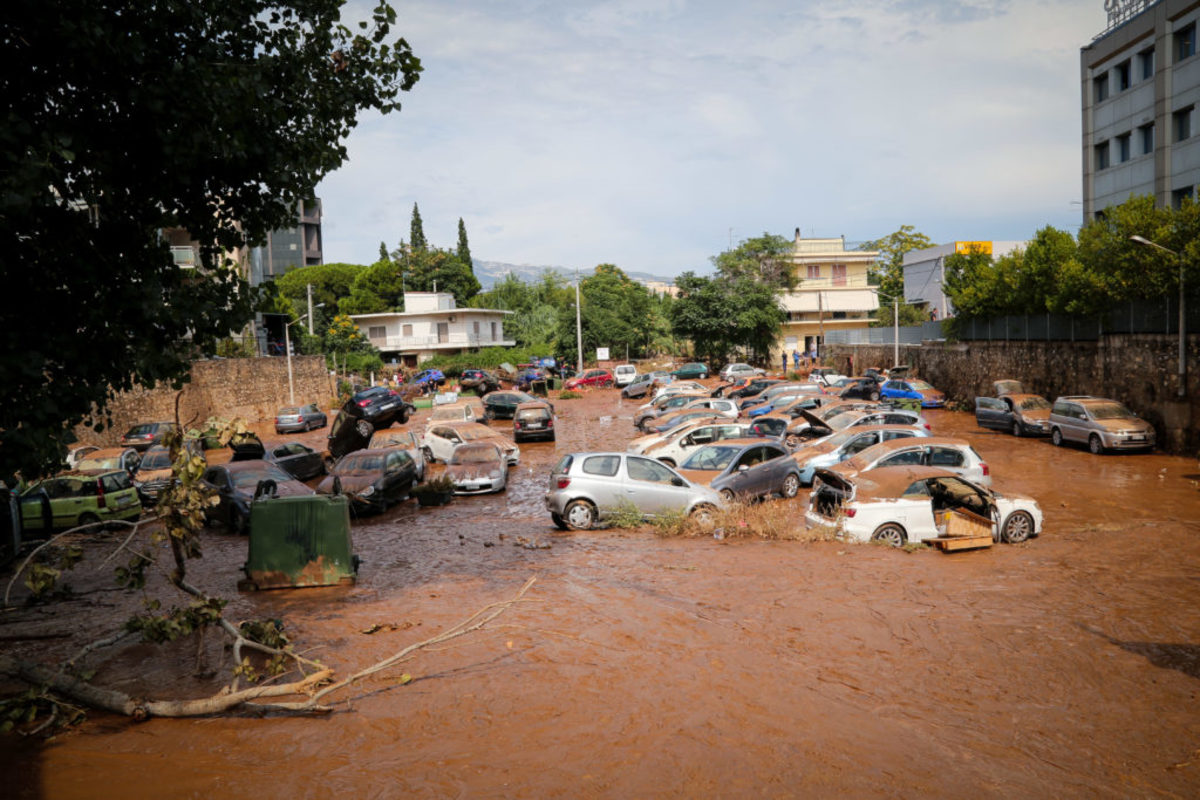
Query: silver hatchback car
(1100,423)
(587,487)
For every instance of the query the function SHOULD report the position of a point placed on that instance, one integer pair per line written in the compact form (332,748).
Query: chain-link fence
(1160,315)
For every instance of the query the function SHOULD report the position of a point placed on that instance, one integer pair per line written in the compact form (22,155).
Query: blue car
(912,389)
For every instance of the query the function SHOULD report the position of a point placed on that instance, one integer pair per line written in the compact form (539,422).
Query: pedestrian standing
(796,359)
(783,357)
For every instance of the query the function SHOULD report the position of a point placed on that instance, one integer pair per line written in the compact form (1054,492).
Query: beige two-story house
(831,293)
(431,324)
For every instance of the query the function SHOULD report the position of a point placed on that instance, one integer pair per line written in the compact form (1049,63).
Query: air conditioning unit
(451,318)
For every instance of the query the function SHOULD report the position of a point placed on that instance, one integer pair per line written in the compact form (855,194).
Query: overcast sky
(651,133)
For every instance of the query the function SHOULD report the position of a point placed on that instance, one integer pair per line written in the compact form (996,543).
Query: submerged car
(477,468)
(478,380)
(440,440)
(1100,423)
(294,419)
(73,499)
(744,469)
(533,420)
(373,480)
(238,483)
(587,488)
(953,455)
(912,389)
(347,434)
(897,505)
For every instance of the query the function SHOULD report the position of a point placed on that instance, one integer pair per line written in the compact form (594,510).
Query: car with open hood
(477,468)
(827,420)
(587,488)
(297,419)
(373,480)
(846,443)
(744,469)
(898,505)
(944,452)
(1100,423)
(237,484)
(407,440)
(440,440)
(1013,409)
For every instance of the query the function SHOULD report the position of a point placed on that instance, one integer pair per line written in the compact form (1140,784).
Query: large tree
(464,248)
(765,259)
(723,315)
(615,312)
(123,119)
(330,282)
(416,231)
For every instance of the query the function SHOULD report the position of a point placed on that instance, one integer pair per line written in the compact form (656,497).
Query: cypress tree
(383,253)
(416,235)
(464,249)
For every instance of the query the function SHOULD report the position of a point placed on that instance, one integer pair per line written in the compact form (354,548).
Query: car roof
(890,482)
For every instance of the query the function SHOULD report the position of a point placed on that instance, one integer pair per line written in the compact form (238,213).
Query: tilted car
(593,379)
(744,469)
(294,419)
(912,389)
(646,384)
(73,499)
(477,468)
(142,436)
(379,406)
(533,420)
(347,434)
(863,388)
(847,443)
(953,455)
(478,380)
(407,440)
(238,483)
(451,412)
(441,439)
(1012,409)
(427,381)
(897,505)
(1100,423)
(107,459)
(373,480)
(586,488)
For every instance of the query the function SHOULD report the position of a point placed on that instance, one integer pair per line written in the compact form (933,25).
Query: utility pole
(578,327)
(895,331)
(821,323)
(310,311)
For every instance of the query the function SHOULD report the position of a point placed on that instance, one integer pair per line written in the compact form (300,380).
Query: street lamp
(287,348)
(1182,392)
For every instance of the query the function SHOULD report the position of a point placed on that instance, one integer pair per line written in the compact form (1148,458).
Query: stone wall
(1140,370)
(251,388)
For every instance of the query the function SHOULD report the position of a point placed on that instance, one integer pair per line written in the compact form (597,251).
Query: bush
(489,358)
(771,519)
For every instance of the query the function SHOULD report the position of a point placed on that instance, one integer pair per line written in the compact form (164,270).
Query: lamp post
(1182,392)
(287,348)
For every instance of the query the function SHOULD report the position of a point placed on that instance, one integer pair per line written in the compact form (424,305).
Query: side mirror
(742,468)
(678,481)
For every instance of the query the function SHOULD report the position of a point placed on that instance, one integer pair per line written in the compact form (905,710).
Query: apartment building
(832,292)
(1140,87)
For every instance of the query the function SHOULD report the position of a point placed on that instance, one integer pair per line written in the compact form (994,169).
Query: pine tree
(416,233)
(383,253)
(464,249)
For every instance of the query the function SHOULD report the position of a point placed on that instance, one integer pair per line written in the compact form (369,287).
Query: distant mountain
(489,272)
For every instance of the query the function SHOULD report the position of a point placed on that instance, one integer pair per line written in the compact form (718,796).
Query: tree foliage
(764,259)
(615,312)
(440,270)
(888,271)
(463,251)
(379,287)
(535,306)
(216,116)
(416,232)
(330,282)
(723,315)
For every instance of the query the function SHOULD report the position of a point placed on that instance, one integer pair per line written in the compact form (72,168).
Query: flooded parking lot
(646,667)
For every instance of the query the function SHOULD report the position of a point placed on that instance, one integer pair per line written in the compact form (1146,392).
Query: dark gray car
(744,469)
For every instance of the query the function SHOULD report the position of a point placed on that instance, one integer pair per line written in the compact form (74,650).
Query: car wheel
(606,385)
(1095,445)
(364,428)
(703,375)
(670,462)
(87,519)
(704,514)
(874,397)
(488,415)
(403,417)
(580,515)
(890,534)
(1017,528)
(791,485)
(560,522)
(1056,437)
(728,496)
(428,454)
(1016,429)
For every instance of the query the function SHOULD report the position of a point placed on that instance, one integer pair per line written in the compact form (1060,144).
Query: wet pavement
(1067,666)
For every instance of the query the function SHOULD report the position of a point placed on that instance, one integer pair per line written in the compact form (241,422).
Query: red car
(592,377)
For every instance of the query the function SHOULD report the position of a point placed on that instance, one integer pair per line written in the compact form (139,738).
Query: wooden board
(950,543)
(960,522)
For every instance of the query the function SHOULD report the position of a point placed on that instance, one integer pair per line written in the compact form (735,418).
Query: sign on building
(602,354)
(967,248)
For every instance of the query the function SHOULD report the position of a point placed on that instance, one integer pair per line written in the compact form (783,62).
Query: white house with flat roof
(432,324)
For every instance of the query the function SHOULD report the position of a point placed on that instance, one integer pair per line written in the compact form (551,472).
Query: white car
(440,440)
(732,372)
(897,505)
(674,447)
(826,376)
(955,455)
(681,387)
(846,443)
(625,374)
(451,412)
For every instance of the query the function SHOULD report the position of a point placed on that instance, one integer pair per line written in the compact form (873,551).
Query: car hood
(1125,424)
(352,484)
(701,476)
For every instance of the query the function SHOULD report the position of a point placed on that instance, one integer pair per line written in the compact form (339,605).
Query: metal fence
(880,336)
(1159,316)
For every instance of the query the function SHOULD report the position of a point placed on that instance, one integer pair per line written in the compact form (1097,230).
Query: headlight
(367,492)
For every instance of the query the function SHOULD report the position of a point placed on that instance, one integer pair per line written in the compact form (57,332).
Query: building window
(1123,148)
(839,314)
(814,271)
(1101,156)
(495,338)
(1146,62)
(406,330)
(377,332)
(1147,134)
(839,274)
(1183,123)
(476,327)
(1121,75)
(1185,42)
(1179,195)
(1100,88)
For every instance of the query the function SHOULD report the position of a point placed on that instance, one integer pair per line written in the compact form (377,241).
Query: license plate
(386,406)
(1137,438)
(532,425)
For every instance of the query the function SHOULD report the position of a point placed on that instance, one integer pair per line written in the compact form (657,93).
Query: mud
(1068,666)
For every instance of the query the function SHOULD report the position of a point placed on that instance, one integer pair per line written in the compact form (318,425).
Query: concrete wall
(1137,369)
(251,388)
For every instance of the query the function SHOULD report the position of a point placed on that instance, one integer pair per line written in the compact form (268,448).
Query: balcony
(184,256)
(449,341)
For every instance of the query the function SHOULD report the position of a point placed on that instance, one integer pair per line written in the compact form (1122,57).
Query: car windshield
(140,430)
(1034,403)
(474,454)
(842,421)
(838,439)
(360,464)
(712,457)
(1109,411)
(921,386)
(289,412)
(107,463)
(156,459)
(249,478)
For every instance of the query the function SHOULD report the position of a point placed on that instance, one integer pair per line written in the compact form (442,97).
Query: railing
(1138,316)
(450,340)
(879,336)
(184,256)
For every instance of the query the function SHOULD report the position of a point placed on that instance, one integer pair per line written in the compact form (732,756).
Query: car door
(399,473)
(772,470)
(218,479)
(857,444)
(651,486)
(992,412)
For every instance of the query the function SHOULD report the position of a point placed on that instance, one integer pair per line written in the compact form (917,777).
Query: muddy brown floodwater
(1068,666)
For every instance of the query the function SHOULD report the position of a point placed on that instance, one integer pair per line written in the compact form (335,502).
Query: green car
(78,498)
(693,370)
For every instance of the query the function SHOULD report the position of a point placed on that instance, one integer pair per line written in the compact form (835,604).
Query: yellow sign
(973,247)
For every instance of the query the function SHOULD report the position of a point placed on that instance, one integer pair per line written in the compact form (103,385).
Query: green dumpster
(299,541)
(538,388)
(907,403)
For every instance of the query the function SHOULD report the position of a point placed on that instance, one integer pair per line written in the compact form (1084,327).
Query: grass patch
(569,394)
(772,519)
(624,515)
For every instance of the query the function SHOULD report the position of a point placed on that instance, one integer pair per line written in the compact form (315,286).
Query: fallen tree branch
(55,538)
